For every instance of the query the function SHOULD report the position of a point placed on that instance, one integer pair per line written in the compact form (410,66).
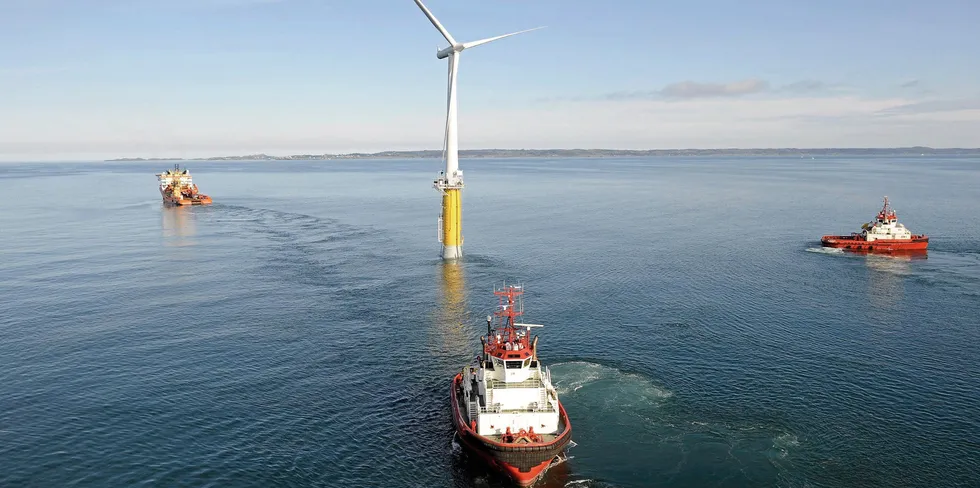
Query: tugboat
(506,410)
(177,188)
(884,234)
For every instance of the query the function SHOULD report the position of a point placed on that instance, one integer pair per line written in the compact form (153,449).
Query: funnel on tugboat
(178,188)
(884,234)
(506,410)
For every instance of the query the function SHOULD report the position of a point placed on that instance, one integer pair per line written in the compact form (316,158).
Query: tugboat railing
(503,385)
(495,408)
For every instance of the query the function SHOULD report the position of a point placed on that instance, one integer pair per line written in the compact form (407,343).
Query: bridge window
(515,364)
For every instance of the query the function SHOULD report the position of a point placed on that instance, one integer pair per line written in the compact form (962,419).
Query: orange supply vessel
(505,409)
(884,234)
(177,188)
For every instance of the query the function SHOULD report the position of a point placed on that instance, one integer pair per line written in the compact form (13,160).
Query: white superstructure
(512,395)
(175,178)
(885,226)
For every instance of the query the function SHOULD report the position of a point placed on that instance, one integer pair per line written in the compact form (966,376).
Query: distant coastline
(593,153)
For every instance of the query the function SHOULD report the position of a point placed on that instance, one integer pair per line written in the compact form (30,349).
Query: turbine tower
(450,182)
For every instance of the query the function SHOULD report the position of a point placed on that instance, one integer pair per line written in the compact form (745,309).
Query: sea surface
(302,331)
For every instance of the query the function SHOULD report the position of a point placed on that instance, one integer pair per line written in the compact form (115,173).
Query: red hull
(199,199)
(494,452)
(856,243)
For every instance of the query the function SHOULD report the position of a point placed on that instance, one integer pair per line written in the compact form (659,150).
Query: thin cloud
(805,86)
(689,90)
(692,89)
(623,95)
(719,122)
(916,86)
(932,106)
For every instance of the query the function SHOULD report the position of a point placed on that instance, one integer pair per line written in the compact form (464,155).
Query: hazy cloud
(692,89)
(687,90)
(917,87)
(932,106)
(805,86)
(713,122)
(620,95)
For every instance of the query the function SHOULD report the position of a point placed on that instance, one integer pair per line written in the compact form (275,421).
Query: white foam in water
(574,375)
(627,387)
(825,250)
(562,458)
(783,442)
(456,448)
(586,483)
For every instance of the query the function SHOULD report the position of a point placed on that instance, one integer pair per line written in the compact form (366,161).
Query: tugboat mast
(506,340)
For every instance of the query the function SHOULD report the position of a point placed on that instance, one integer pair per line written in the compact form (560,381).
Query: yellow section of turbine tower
(452,218)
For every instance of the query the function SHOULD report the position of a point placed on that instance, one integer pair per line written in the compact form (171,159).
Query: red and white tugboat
(884,234)
(506,410)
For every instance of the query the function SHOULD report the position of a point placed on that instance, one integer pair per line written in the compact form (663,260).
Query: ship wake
(825,250)
(667,436)
(618,387)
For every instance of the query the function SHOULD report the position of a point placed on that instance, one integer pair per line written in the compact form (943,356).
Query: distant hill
(594,153)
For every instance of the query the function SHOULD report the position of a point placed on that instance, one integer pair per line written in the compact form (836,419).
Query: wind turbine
(450,182)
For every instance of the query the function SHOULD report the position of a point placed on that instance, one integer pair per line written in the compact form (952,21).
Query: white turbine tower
(451,181)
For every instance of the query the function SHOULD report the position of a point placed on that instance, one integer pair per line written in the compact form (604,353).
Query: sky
(95,79)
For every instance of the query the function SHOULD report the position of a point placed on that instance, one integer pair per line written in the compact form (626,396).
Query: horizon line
(501,151)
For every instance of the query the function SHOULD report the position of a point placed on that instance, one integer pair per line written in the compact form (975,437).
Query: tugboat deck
(461,405)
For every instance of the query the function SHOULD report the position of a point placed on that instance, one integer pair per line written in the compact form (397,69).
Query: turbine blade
(435,22)
(467,45)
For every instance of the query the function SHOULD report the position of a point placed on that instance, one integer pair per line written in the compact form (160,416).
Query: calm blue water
(302,330)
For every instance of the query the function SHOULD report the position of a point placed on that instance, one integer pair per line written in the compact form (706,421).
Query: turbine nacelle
(445,52)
